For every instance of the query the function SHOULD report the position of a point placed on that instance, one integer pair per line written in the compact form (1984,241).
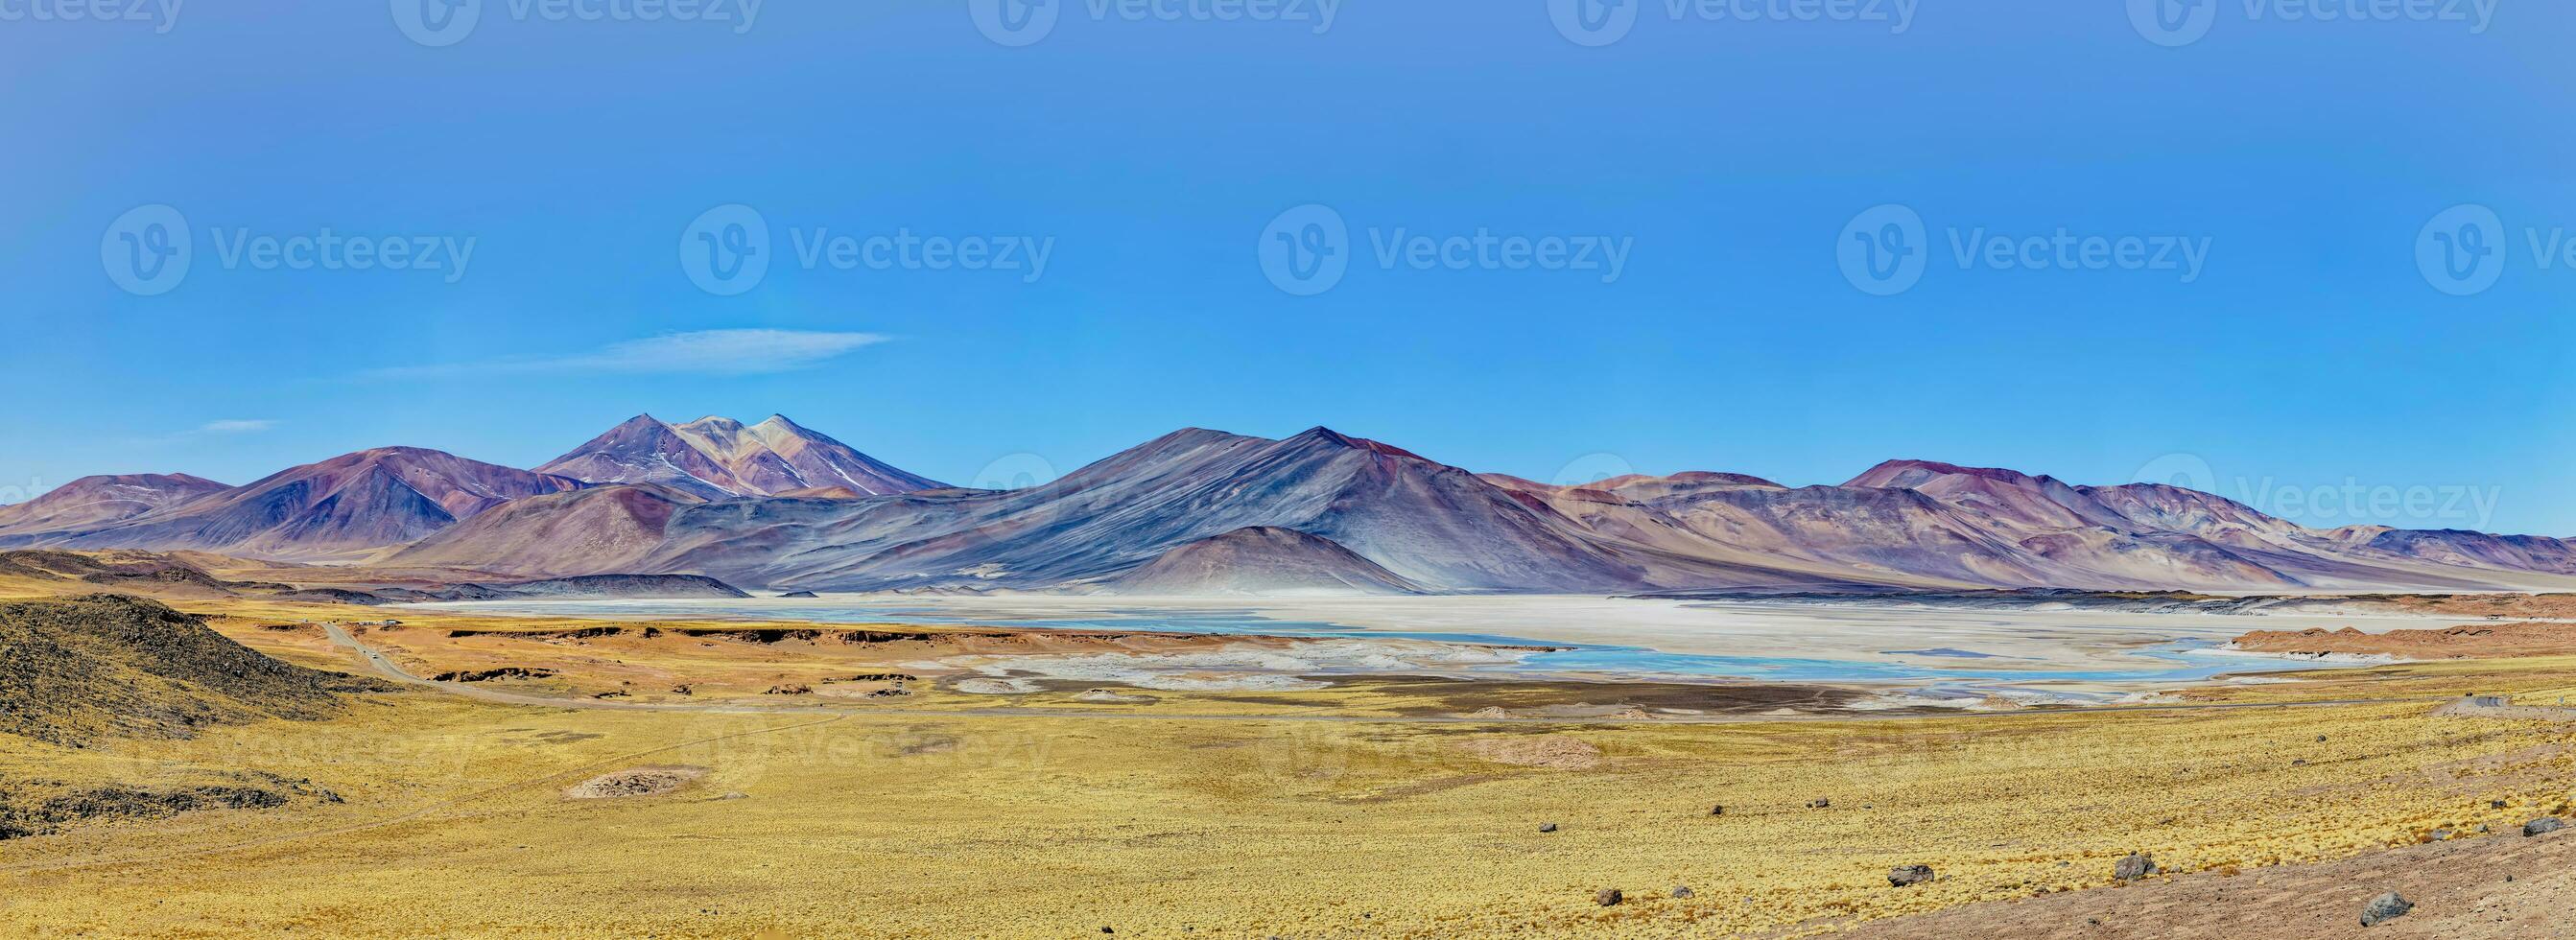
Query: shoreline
(2073,656)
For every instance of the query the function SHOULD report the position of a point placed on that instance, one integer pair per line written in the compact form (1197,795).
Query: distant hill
(107,665)
(607,528)
(1260,561)
(716,458)
(343,507)
(776,506)
(92,502)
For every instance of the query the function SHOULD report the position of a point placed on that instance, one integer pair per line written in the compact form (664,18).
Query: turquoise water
(1561,657)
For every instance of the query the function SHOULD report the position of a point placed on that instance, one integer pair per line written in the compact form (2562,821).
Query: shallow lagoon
(1610,638)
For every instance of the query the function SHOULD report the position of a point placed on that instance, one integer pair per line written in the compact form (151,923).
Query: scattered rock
(1719,810)
(2440,835)
(1820,803)
(1608,897)
(1547,827)
(1907,876)
(2542,825)
(2386,907)
(640,781)
(1682,891)
(682,690)
(2134,867)
(789,690)
(2495,804)
(1102,696)
(487,675)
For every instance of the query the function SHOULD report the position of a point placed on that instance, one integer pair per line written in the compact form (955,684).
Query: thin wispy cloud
(225,427)
(704,352)
(235,426)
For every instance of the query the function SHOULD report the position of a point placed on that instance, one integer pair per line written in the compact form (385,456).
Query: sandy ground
(2497,887)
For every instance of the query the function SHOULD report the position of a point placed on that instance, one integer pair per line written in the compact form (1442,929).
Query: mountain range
(1201,512)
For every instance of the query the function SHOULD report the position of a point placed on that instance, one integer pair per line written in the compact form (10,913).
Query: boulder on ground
(1608,897)
(1682,891)
(2385,908)
(2541,825)
(1907,876)
(1547,827)
(2134,867)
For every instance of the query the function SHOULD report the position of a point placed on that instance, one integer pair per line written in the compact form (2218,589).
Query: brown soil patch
(638,781)
(1561,752)
(2472,641)
(2494,606)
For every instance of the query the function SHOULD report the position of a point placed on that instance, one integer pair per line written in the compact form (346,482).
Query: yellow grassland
(1281,820)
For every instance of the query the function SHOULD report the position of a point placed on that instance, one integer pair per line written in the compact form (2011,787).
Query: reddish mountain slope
(1262,561)
(716,458)
(344,506)
(93,502)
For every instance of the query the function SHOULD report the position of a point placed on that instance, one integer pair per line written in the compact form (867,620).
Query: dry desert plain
(1372,806)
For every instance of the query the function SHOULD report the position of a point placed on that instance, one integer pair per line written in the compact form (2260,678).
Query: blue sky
(2303,360)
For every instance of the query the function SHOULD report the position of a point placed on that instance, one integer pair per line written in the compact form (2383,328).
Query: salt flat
(1617,636)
